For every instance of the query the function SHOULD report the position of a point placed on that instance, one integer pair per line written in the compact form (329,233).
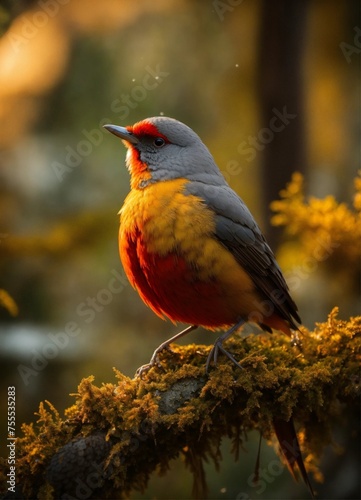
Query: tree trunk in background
(280,87)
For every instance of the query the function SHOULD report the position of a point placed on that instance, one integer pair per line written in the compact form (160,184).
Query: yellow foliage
(323,227)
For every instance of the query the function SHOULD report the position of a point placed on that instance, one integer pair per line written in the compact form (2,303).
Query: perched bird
(192,249)
(188,243)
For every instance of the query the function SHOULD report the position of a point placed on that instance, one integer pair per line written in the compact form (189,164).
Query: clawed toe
(154,361)
(213,356)
(218,346)
(142,370)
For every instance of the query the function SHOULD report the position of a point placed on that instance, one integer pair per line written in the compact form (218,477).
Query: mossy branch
(115,436)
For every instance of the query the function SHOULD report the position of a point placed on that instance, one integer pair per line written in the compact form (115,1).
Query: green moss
(132,428)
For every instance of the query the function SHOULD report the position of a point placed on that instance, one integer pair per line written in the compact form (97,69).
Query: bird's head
(161,149)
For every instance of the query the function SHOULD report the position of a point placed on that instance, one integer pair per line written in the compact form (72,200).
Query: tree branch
(115,436)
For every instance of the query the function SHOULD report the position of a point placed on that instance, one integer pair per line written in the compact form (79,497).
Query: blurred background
(271,88)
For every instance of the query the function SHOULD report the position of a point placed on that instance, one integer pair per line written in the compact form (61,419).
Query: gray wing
(237,230)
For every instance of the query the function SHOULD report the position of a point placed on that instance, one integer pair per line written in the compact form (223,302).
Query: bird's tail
(275,322)
(290,448)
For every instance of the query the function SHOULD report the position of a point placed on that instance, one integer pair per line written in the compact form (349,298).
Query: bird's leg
(218,346)
(154,359)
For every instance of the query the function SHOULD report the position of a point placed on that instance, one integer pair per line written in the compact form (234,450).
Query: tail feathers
(290,448)
(275,322)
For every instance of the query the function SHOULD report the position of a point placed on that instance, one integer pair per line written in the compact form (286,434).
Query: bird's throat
(139,172)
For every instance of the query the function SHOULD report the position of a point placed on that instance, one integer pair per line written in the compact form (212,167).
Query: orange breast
(170,255)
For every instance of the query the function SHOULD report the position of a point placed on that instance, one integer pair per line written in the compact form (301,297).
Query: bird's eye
(159,142)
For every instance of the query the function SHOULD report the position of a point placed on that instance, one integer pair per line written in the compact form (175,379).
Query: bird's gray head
(162,148)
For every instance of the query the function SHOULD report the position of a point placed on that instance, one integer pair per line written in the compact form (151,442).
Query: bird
(188,243)
(193,251)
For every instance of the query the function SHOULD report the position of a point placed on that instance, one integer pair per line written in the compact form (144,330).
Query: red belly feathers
(167,284)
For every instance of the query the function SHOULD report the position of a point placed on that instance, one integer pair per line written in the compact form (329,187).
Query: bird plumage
(181,206)
(192,249)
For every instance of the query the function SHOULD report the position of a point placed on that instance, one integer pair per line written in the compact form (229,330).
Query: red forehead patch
(145,128)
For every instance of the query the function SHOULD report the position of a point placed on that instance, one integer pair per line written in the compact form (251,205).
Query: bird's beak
(123,133)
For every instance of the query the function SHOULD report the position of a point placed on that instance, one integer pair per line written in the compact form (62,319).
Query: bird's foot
(218,346)
(213,355)
(154,360)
